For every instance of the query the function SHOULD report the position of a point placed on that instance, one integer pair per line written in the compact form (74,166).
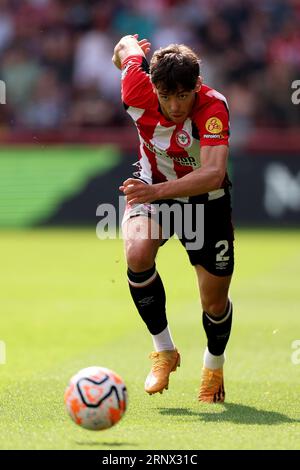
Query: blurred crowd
(55,57)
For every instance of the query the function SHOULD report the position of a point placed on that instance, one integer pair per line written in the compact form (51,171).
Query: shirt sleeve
(213,124)
(136,86)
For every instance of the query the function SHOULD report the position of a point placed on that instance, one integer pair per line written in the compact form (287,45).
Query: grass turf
(65,305)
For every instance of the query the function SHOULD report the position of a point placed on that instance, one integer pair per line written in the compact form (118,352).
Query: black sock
(218,330)
(149,299)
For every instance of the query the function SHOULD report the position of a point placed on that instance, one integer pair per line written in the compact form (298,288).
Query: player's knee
(214,307)
(138,259)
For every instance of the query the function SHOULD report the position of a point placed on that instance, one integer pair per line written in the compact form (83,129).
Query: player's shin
(217,330)
(148,294)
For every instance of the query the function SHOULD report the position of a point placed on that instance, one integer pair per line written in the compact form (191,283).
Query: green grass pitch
(65,305)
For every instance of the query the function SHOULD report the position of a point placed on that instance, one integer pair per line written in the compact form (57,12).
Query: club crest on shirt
(183,139)
(214,125)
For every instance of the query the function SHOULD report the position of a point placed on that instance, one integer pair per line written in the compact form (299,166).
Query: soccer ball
(96,398)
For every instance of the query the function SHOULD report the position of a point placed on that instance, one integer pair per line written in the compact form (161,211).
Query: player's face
(176,106)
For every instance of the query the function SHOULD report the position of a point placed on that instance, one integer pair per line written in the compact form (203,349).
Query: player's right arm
(129,56)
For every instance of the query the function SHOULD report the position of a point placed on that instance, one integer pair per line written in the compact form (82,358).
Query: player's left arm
(207,178)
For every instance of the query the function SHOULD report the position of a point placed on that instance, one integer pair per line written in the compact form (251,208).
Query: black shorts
(204,228)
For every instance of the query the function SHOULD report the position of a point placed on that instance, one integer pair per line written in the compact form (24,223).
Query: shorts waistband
(211,196)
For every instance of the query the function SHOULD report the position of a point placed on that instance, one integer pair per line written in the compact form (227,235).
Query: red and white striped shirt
(167,150)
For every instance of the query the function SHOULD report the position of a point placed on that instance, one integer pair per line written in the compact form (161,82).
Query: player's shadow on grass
(233,412)
(112,445)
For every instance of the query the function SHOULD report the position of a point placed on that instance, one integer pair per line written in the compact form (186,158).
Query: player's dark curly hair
(174,66)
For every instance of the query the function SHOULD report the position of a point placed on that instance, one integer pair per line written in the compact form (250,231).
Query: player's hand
(137,192)
(116,59)
(144,44)
(131,44)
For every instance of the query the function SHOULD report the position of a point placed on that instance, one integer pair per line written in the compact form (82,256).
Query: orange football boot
(164,362)
(212,386)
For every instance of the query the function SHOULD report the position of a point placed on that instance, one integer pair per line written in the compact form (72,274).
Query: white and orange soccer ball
(96,398)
